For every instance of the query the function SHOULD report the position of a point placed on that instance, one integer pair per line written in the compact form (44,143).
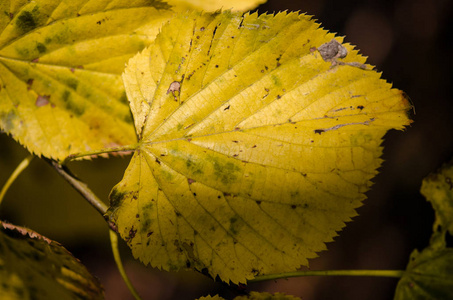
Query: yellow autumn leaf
(258,137)
(213,5)
(60,66)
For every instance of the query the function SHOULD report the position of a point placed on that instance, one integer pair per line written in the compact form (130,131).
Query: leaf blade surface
(254,150)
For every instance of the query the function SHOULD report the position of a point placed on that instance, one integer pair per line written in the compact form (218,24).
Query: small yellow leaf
(255,296)
(213,5)
(254,148)
(266,296)
(216,297)
(60,65)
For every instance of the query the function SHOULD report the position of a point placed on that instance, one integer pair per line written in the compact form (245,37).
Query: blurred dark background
(411,42)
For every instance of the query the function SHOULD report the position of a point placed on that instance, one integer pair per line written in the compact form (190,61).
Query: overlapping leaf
(34,267)
(60,66)
(259,136)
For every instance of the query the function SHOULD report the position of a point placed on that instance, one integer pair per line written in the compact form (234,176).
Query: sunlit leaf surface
(259,136)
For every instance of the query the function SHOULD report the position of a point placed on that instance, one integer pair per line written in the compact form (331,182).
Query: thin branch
(82,188)
(119,264)
(22,166)
(373,273)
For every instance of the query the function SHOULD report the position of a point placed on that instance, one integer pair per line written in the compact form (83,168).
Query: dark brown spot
(319,131)
(29,83)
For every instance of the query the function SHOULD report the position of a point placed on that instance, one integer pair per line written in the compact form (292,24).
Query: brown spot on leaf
(42,100)
(29,83)
(174,87)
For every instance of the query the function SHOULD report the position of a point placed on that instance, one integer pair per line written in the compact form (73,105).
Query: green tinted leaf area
(34,267)
(429,275)
(438,189)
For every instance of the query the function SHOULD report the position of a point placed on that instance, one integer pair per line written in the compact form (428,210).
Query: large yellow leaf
(60,66)
(258,139)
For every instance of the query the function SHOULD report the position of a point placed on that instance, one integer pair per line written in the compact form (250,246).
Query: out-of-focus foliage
(34,267)
(255,296)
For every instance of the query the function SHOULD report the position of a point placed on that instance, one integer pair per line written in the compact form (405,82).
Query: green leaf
(438,189)
(34,267)
(429,275)
(60,65)
(255,148)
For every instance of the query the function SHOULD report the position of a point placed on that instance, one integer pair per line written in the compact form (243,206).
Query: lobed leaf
(34,267)
(60,65)
(254,147)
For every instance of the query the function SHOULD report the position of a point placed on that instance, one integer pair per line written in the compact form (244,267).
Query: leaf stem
(22,166)
(373,273)
(82,188)
(126,149)
(119,264)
